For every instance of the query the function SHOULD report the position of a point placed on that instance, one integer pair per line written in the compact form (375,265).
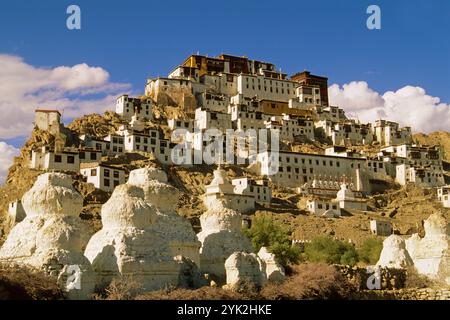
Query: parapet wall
(389,279)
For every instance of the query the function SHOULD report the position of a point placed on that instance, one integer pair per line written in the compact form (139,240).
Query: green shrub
(265,232)
(370,250)
(328,250)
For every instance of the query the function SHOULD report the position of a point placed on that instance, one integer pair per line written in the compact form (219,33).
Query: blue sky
(137,39)
(133,40)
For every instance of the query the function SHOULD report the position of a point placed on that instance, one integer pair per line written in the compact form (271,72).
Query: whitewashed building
(295,169)
(259,189)
(127,107)
(422,176)
(205,119)
(389,133)
(349,200)
(443,194)
(323,207)
(117,143)
(46,159)
(381,228)
(290,127)
(102,176)
(221,192)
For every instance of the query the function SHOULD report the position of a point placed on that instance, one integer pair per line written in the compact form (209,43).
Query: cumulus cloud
(74,90)
(7,154)
(410,106)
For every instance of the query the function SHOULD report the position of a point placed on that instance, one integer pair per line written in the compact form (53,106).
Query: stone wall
(404,294)
(390,279)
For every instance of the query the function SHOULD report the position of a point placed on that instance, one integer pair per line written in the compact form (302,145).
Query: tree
(370,250)
(265,232)
(331,251)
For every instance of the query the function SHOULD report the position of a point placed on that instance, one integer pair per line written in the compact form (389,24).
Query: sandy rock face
(274,271)
(176,229)
(394,253)
(129,245)
(431,254)
(221,236)
(245,267)
(52,236)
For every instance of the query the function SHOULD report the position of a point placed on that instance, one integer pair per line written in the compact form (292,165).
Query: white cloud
(75,90)
(410,106)
(7,154)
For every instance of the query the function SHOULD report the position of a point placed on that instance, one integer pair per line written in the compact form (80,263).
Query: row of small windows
(288,85)
(271,90)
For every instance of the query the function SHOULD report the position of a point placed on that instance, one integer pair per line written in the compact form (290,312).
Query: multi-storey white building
(117,143)
(102,176)
(291,127)
(127,107)
(259,189)
(389,133)
(266,88)
(205,119)
(352,133)
(245,117)
(292,169)
(213,102)
(46,159)
(422,176)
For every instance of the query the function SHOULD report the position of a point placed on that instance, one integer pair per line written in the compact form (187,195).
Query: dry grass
(310,281)
(416,280)
(21,283)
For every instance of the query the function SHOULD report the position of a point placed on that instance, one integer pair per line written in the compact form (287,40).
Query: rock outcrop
(394,254)
(177,230)
(221,236)
(242,268)
(431,254)
(273,270)
(129,245)
(52,236)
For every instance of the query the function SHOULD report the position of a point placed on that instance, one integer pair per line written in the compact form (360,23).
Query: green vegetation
(370,250)
(265,232)
(331,251)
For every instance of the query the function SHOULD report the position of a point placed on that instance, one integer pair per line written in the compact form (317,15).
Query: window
(58,158)
(106,173)
(93,172)
(93,156)
(98,146)
(106,182)
(116,183)
(82,155)
(116,174)
(70,159)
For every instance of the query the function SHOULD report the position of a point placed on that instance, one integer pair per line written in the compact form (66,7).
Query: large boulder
(221,236)
(244,268)
(274,271)
(431,254)
(129,245)
(394,254)
(177,230)
(52,236)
